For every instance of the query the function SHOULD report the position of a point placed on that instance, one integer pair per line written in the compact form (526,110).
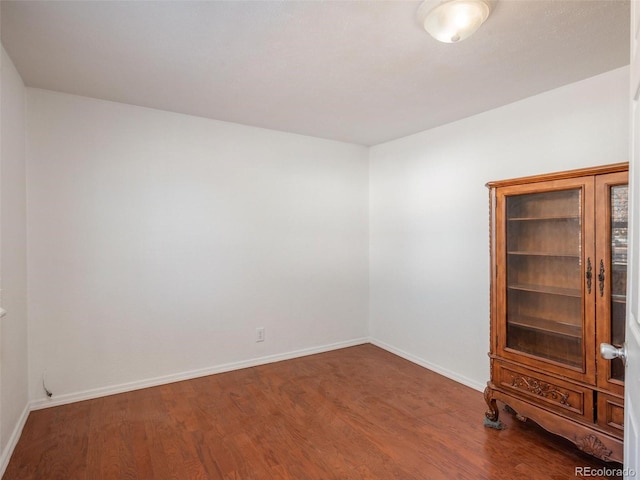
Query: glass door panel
(619,221)
(544,281)
(612,216)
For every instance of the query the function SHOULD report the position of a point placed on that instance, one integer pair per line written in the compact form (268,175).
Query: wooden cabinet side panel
(493,339)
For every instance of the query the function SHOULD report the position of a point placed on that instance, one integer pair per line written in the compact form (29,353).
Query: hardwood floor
(355,413)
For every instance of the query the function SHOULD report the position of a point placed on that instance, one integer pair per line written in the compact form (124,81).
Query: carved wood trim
(542,389)
(593,446)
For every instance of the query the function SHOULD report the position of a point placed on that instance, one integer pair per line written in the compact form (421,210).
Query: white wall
(429,221)
(158,242)
(13,265)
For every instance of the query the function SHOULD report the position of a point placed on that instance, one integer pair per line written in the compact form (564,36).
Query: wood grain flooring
(354,413)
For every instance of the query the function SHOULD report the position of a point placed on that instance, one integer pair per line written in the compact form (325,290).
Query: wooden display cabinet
(558,290)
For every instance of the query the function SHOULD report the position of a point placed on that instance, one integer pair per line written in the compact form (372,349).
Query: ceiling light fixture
(453,20)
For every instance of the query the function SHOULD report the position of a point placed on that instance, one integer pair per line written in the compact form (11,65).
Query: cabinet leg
(510,410)
(491,415)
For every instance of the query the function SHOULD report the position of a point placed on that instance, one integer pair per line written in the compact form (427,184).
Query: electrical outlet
(260,334)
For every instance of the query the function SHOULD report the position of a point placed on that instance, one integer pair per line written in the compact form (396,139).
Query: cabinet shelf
(562,291)
(619,298)
(543,218)
(544,254)
(546,326)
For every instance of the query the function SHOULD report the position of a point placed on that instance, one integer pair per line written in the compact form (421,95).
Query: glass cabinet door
(544,281)
(612,274)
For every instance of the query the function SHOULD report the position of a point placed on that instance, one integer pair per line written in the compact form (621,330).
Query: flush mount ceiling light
(453,20)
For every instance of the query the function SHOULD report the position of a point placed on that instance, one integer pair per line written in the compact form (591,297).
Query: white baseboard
(178,377)
(13,440)
(428,365)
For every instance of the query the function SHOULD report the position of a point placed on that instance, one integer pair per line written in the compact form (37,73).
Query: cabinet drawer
(551,393)
(611,414)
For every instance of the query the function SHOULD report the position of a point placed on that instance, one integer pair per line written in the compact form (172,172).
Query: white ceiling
(357,71)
